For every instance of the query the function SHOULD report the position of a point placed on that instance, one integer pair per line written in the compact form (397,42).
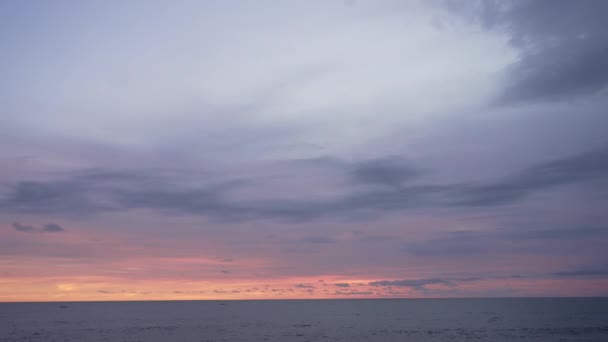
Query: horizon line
(299,299)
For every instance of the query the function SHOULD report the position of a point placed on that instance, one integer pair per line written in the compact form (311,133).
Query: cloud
(304,286)
(353,293)
(557,234)
(421,284)
(375,238)
(588,166)
(563,45)
(23,228)
(81,192)
(116,191)
(342,284)
(453,247)
(583,273)
(467,243)
(49,197)
(414,283)
(52,228)
(391,172)
(47,228)
(319,240)
(90,191)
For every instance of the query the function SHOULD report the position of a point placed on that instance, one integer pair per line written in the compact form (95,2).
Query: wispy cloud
(98,193)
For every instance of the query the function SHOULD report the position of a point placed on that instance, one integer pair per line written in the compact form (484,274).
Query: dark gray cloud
(563,45)
(353,293)
(94,190)
(342,284)
(453,246)
(560,233)
(52,228)
(23,228)
(47,228)
(196,201)
(422,283)
(49,197)
(583,273)
(588,166)
(79,192)
(392,172)
(304,286)
(111,191)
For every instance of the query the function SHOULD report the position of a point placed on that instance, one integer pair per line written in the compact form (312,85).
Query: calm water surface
(529,319)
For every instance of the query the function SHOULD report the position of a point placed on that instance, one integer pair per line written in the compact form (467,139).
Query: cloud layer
(364,149)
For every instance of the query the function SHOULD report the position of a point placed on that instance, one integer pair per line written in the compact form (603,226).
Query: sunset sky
(155,150)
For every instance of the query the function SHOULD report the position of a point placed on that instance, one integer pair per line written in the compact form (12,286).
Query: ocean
(508,319)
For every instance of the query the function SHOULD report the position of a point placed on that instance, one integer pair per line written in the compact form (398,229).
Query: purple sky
(228,149)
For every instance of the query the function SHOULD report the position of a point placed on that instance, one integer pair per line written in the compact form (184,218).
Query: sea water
(513,319)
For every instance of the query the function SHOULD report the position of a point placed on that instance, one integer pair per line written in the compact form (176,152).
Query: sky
(155,150)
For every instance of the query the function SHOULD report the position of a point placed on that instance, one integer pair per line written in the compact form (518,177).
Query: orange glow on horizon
(103,289)
(85,265)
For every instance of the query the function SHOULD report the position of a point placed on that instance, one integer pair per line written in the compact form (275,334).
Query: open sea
(508,319)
